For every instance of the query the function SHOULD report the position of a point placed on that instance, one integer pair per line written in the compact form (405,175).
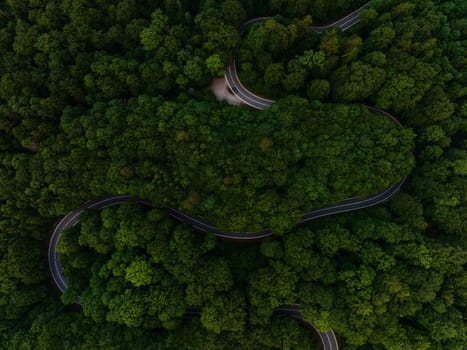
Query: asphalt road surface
(344,23)
(328,339)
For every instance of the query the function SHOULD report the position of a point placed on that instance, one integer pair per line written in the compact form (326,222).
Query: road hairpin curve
(328,339)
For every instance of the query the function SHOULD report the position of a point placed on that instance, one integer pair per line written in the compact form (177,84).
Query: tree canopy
(111,97)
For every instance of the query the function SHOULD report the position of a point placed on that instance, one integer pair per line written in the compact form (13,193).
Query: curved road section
(328,339)
(346,205)
(72,218)
(258,102)
(344,23)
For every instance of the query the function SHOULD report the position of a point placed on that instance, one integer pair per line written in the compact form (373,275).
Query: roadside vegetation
(137,267)
(108,98)
(392,58)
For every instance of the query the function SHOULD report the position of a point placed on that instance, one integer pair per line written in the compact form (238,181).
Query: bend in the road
(254,101)
(72,218)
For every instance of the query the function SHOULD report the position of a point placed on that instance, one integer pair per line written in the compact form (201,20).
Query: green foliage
(215,65)
(318,89)
(152,37)
(357,82)
(139,273)
(98,98)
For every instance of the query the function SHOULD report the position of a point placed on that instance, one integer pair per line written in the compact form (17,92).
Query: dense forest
(251,171)
(137,267)
(112,97)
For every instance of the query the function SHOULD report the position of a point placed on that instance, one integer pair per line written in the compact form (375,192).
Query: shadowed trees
(98,98)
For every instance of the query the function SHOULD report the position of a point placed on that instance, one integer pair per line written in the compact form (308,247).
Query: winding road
(258,102)
(328,339)
(72,218)
(349,204)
